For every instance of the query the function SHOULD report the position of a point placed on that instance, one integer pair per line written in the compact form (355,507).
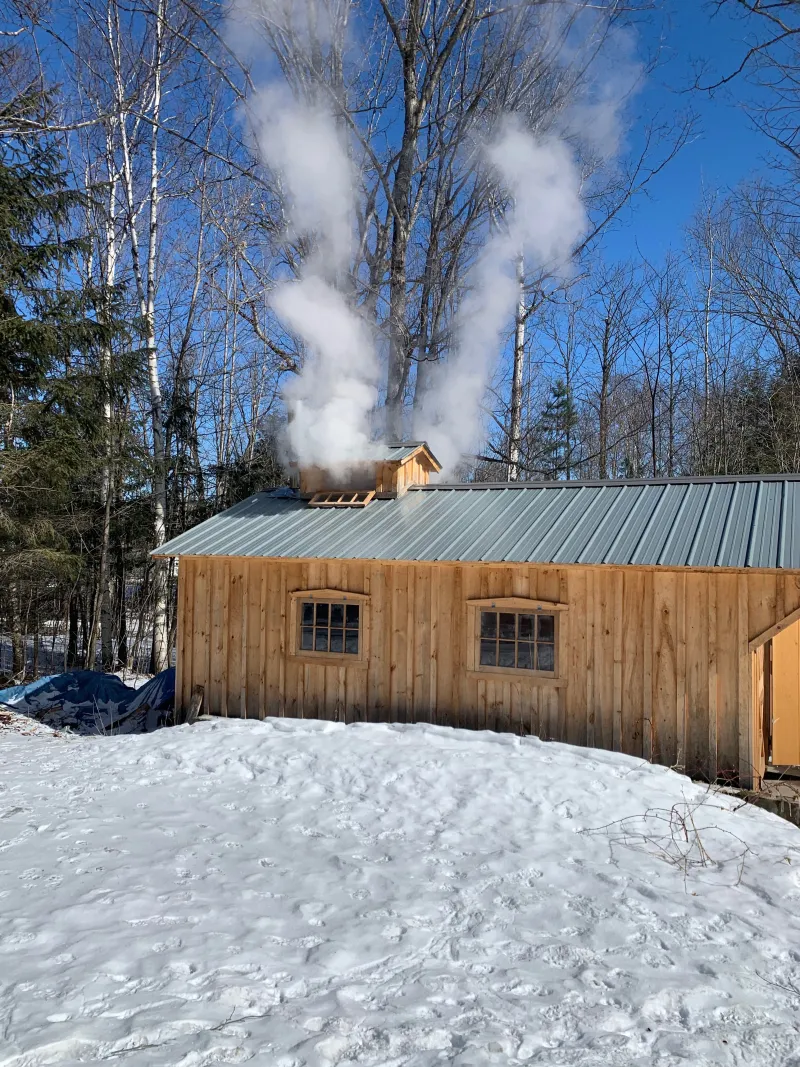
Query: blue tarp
(93,702)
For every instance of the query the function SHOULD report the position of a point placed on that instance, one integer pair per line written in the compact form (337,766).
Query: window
(328,627)
(518,637)
(524,642)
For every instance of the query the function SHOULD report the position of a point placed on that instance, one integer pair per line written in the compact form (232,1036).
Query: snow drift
(304,893)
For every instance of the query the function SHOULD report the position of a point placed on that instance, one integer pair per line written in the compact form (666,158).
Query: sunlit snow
(298,893)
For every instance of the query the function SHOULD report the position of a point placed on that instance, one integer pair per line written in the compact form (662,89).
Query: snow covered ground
(299,893)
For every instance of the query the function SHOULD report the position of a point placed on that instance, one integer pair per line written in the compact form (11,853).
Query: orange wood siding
(786,697)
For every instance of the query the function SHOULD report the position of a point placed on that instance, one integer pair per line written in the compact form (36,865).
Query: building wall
(654,663)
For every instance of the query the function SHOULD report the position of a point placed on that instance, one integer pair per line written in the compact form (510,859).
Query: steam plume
(546,219)
(332,399)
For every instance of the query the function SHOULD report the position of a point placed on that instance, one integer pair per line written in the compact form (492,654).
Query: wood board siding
(786,697)
(653,663)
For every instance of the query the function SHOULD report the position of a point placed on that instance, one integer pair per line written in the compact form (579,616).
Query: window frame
(517,606)
(328,596)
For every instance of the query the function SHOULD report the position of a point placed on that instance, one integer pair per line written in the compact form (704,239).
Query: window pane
(508,626)
(526,627)
(306,637)
(547,628)
(525,655)
(488,653)
(488,624)
(308,614)
(506,657)
(337,640)
(322,614)
(351,615)
(337,614)
(351,642)
(321,641)
(545,658)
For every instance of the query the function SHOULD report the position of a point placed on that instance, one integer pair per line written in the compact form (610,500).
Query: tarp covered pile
(90,702)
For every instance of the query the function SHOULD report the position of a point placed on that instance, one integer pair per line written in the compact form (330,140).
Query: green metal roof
(697,522)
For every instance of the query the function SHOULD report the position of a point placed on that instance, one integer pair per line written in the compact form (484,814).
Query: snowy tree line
(142,236)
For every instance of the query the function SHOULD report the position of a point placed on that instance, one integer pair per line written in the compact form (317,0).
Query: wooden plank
(548,711)
(760,690)
(479,703)
(421,644)
(272,624)
(791,593)
(762,597)
(518,582)
(195,705)
(534,717)
(263,607)
(648,667)
(744,688)
(471,708)
(631,627)
(446,686)
(358,578)
(713,679)
(245,640)
(399,695)
(775,629)
(665,688)
(591,654)
(564,640)
(680,671)
(236,638)
(182,667)
(217,675)
(410,624)
(616,691)
(379,680)
(225,636)
(727,678)
(576,667)
(786,697)
(438,633)
(200,624)
(604,658)
(697,645)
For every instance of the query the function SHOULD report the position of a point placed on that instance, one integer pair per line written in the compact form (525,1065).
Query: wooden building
(660,619)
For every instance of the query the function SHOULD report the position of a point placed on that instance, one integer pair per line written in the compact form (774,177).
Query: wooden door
(786,697)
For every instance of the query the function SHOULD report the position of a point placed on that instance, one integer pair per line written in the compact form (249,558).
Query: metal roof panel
(726,522)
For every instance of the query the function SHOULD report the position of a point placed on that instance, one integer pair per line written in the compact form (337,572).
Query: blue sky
(726,148)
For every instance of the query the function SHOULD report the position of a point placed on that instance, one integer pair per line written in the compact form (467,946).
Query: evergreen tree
(559,422)
(51,390)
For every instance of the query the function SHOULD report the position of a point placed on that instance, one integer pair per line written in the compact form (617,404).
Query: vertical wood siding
(655,663)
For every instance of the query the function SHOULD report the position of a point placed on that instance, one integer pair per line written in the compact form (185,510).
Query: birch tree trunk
(107,475)
(160,653)
(515,415)
(145,279)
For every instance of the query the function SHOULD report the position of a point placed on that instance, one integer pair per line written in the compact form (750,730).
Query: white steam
(303,145)
(545,220)
(332,399)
